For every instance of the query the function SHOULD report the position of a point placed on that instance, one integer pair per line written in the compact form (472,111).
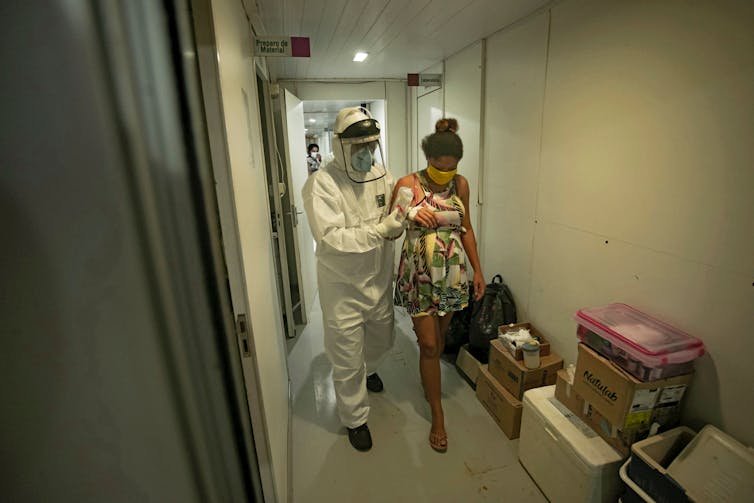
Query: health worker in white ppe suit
(347,203)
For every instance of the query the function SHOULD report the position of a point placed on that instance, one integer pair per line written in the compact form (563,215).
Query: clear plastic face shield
(364,158)
(359,141)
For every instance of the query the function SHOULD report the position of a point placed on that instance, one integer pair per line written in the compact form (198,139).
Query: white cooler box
(568,461)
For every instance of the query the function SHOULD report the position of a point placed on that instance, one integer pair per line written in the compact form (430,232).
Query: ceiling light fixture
(360,56)
(312,120)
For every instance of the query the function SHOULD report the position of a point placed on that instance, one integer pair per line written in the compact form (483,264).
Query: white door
(300,243)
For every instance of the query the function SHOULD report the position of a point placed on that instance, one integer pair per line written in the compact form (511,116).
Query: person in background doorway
(347,205)
(313,159)
(432,279)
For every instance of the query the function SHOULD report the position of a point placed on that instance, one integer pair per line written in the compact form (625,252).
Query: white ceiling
(401,36)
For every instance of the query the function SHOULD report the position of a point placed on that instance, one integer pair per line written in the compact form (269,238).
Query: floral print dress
(432,271)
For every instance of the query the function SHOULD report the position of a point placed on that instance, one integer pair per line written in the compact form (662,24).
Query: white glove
(392,226)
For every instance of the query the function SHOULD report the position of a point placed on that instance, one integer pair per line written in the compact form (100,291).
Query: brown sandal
(440,443)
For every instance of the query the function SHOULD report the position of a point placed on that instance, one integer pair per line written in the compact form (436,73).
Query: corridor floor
(481,464)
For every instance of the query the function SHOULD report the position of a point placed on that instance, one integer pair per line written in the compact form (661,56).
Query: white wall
(325,145)
(377,109)
(515,76)
(428,104)
(623,172)
(396,119)
(460,98)
(246,154)
(429,111)
(463,93)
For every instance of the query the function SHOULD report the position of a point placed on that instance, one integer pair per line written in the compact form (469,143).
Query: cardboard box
(467,365)
(621,439)
(566,395)
(623,400)
(517,353)
(504,408)
(515,377)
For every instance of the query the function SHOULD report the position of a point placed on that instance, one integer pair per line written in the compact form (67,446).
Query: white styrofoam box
(714,467)
(567,460)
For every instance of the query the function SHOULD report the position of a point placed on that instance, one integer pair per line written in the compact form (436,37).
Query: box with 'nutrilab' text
(623,400)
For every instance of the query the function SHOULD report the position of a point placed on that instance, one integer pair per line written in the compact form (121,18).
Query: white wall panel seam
(539,160)
(480,170)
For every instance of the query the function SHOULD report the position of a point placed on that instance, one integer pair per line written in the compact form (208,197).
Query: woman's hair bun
(444,141)
(445,124)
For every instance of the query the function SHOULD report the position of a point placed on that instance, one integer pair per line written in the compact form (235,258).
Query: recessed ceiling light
(312,120)
(360,56)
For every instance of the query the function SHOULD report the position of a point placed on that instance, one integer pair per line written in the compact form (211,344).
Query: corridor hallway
(481,464)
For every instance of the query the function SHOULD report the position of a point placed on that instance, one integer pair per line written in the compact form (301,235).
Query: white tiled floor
(480,465)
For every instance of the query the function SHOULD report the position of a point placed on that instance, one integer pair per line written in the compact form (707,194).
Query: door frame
(217,143)
(274,186)
(262,75)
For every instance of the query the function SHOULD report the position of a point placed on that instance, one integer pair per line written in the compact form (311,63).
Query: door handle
(242,330)
(294,213)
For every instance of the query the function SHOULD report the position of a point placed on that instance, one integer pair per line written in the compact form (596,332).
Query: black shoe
(374,383)
(360,437)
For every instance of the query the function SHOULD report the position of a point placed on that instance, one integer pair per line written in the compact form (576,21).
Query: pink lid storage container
(643,346)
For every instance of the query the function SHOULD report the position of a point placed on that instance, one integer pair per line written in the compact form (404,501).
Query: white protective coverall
(354,272)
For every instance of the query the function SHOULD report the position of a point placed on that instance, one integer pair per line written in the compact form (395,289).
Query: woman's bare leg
(427,330)
(444,325)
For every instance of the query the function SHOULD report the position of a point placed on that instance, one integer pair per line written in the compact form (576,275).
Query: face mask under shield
(364,158)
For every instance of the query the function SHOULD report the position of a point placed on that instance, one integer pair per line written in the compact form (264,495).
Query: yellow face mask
(440,177)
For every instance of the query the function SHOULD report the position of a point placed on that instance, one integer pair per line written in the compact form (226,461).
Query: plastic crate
(650,460)
(632,493)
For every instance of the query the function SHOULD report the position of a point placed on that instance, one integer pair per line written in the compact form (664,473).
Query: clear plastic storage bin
(643,346)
